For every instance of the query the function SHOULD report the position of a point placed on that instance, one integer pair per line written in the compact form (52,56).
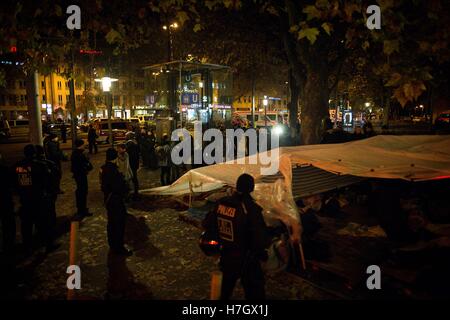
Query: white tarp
(413,158)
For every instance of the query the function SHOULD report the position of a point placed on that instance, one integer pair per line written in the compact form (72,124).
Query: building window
(125,85)
(60,99)
(12,100)
(44,99)
(78,85)
(67,98)
(22,84)
(117,100)
(124,100)
(78,97)
(139,85)
(66,84)
(43,84)
(59,85)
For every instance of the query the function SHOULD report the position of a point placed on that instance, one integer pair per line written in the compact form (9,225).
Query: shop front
(188,92)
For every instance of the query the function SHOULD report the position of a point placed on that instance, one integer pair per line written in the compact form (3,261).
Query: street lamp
(106,86)
(265,103)
(169,29)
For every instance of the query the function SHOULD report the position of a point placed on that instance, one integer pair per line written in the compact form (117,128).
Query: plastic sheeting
(413,158)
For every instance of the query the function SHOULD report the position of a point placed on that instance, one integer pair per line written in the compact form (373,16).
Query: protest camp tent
(312,169)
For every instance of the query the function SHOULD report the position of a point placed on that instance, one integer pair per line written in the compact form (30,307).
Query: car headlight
(278,130)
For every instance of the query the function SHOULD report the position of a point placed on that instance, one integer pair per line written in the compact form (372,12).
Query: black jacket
(92,135)
(112,181)
(32,180)
(80,163)
(53,152)
(239,224)
(133,154)
(6,196)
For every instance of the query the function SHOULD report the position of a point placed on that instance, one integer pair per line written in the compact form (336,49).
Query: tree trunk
(34,109)
(294,92)
(315,109)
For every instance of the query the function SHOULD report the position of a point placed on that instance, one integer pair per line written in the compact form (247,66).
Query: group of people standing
(36,180)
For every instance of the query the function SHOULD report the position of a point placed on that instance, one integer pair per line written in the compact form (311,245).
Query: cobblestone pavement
(167,263)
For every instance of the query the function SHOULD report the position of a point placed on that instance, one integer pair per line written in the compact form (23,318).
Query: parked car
(443,120)
(119,129)
(19,127)
(5,130)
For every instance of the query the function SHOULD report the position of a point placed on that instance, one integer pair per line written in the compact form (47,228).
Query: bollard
(73,251)
(216,285)
(302,256)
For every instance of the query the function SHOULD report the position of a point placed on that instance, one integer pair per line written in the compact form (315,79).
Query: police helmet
(245,183)
(111,154)
(29,151)
(210,247)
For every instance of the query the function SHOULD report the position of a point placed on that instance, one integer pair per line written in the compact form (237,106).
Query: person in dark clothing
(163,152)
(7,215)
(133,157)
(144,145)
(244,237)
(54,154)
(32,184)
(92,139)
(48,218)
(80,169)
(153,158)
(114,190)
(63,129)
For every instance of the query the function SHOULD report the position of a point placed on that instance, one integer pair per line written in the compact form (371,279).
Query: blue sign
(190,98)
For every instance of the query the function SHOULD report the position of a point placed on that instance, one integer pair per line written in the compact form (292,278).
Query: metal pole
(253,99)
(180,107)
(265,113)
(109,97)
(72,104)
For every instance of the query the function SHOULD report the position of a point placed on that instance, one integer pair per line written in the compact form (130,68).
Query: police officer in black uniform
(53,153)
(80,169)
(243,236)
(32,178)
(115,190)
(48,219)
(7,215)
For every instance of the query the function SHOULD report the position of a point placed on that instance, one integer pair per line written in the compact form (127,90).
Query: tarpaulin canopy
(413,158)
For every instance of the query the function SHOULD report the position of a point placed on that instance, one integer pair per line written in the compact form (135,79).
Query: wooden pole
(216,285)
(73,251)
(302,256)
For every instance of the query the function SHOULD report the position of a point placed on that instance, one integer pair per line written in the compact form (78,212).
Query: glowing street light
(169,28)
(106,86)
(106,83)
(265,103)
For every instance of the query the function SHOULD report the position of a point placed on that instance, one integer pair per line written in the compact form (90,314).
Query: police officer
(80,169)
(244,238)
(114,190)
(54,154)
(48,218)
(92,139)
(31,183)
(7,216)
